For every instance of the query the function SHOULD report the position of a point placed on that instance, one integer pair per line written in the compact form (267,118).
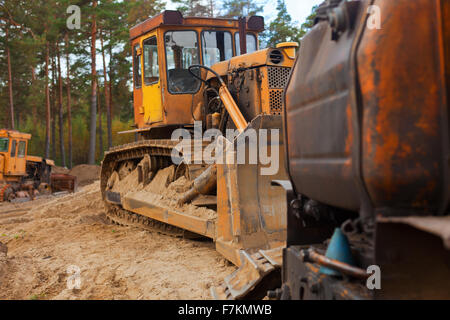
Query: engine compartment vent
(276,57)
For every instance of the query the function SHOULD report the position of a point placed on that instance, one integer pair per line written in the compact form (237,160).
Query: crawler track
(122,217)
(160,152)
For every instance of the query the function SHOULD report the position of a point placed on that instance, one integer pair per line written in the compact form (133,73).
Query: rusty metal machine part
(312,256)
(367,137)
(202,185)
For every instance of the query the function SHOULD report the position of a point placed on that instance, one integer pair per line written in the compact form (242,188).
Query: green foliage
(241,8)
(39,296)
(31,25)
(193,8)
(283,29)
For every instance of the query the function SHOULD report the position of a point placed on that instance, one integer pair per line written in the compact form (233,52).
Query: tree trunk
(61,112)
(106,91)
(211,8)
(53,112)
(10,84)
(100,128)
(47,97)
(34,111)
(110,77)
(93,120)
(69,107)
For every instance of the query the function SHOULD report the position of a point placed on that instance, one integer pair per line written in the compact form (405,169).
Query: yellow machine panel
(13,150)
(153,109)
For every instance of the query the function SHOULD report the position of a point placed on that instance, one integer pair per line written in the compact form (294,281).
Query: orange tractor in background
(23,176)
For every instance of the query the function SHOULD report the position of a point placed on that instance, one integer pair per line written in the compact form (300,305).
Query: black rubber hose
(199,66)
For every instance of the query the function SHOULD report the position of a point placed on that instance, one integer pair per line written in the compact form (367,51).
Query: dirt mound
(60,170)
(50,240)
(86,174)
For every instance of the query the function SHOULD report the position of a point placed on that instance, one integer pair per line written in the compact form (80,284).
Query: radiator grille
(278,79)
(276,101)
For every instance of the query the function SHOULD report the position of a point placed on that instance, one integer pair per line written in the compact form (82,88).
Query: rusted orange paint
(402,89)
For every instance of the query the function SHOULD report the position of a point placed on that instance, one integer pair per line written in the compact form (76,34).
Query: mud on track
(45,237)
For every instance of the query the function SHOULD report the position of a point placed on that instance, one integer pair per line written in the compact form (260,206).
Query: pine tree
(141,10)
(241,8)
(308,24)
(93,107)
(51,77)
(283,29)
(195,8)
(69,99)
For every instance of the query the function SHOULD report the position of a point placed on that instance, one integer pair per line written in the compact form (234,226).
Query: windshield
(251,43)
(4,144)
(217,46)
(182,52)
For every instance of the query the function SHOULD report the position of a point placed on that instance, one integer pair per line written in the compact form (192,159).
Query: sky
(298,9)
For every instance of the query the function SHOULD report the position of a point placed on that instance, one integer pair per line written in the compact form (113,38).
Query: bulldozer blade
(252,212)
(139,202)
(258,273)
(251,227)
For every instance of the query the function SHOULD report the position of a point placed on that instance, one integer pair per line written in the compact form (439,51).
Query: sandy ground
(44,238)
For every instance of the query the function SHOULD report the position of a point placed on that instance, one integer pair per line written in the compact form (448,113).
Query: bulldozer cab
(164,47)
(13,152)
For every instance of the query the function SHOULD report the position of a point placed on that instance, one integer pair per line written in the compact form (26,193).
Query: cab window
(22,149)
(151,67)
(137,66)
(4,144)
(182,51)
(252,44)
(13,148)
(217,46)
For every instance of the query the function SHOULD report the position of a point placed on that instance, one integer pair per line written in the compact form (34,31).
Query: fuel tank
(366,108)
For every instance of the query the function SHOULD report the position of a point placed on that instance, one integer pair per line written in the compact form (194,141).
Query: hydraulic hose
(226,97)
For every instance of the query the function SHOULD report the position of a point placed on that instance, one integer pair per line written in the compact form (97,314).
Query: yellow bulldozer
(203,86)
(23,177)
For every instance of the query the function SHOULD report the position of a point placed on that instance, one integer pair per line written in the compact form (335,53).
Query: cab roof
(175,18)
(5,133)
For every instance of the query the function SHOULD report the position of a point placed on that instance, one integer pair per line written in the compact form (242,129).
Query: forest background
(71,89)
